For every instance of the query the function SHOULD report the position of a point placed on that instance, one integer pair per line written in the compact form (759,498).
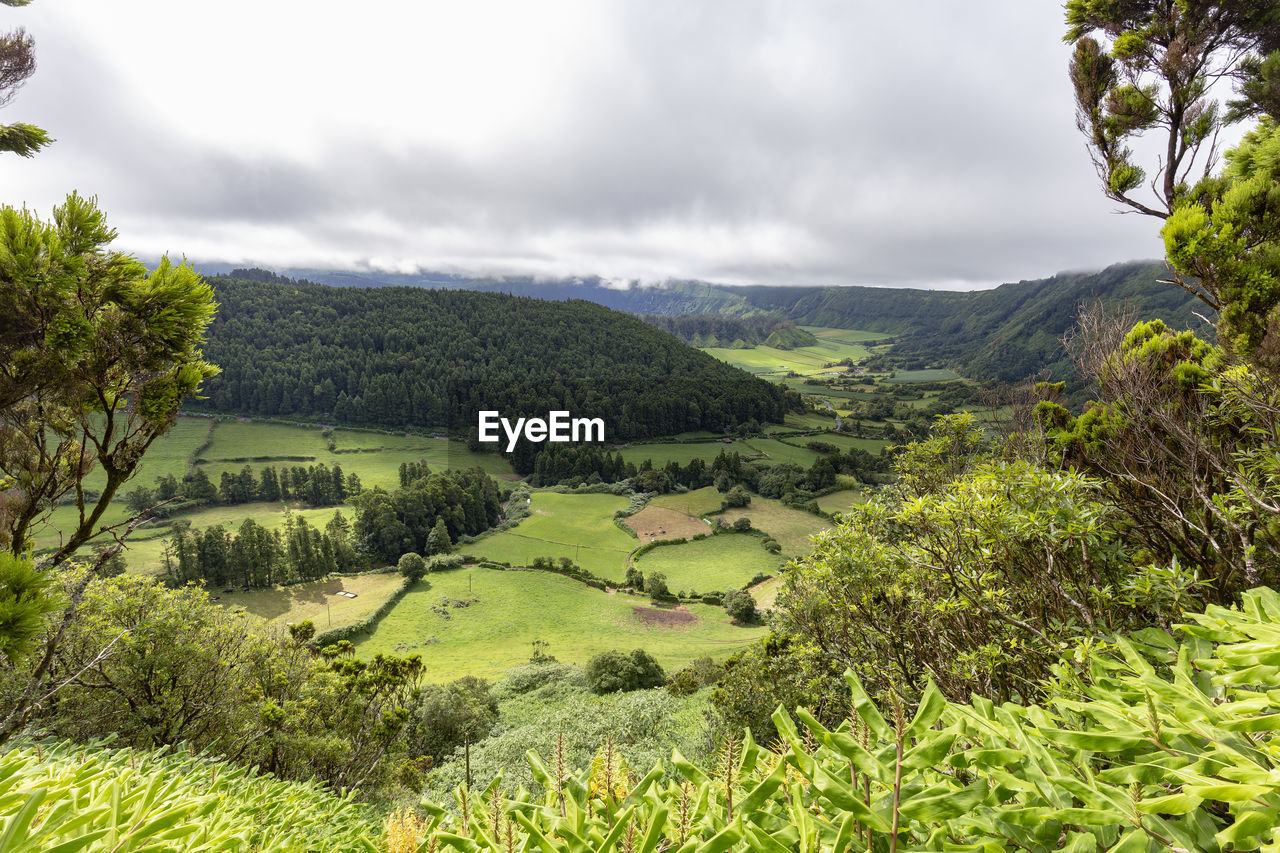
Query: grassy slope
(791,527)
(579,527)
(714,563)
(698,502)
(316,600)
(514,608)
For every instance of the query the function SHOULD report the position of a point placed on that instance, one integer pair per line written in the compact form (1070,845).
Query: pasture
(579,527)
(662,453)
(697,502)
(791,527)
(503,612)
(935,375)
(840,501)
(715,563)
(655,522)
(318,601)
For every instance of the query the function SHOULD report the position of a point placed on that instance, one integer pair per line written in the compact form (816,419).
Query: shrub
(692,678)
(615,671)
(655,586)
(412,566)
(739,604)
(742,525)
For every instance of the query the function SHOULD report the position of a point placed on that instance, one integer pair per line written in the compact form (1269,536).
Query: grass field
(717,562)
(579,527)
(766,592)
(495,632)
(374,456)
(777,451)
(659,523)
(845,442)
(316,600)
(805,360)
(848,336)
(791,527)
(840,501)
(661,453)
(937,375)
(698,502)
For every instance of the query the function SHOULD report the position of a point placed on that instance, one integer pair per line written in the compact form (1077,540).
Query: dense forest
(1008,333)
(409,357)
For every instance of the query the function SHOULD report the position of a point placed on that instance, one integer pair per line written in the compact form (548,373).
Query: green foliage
(616,671)
(404,520)
(26,598)
(143,661)
(1226,236)
(100,354)
(60,796)
(655,586)
(739,604)
(412,566)
(1145,744)
(1154,70)
(449,715)
(1179,443)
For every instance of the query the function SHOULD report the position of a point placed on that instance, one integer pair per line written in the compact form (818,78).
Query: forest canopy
(409,357)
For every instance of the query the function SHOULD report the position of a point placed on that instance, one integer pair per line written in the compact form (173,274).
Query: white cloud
(820,142)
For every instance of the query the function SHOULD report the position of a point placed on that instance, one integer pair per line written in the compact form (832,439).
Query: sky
(924,144)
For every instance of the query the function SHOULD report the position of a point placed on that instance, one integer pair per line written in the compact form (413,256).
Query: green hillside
(403,356)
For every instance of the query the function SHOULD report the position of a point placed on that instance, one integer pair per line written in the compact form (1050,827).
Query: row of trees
(257,557)
(313,485)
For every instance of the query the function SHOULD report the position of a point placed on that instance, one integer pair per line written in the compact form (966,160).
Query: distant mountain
(1007,333)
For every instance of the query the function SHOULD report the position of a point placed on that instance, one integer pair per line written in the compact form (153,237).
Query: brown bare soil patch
(660,617)
(658,523)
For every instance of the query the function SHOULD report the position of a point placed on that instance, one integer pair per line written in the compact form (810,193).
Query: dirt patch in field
(659,617)
(655,523)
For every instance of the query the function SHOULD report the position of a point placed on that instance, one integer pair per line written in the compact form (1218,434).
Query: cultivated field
(697,502)
(791,527)
(579,527)
(840,501)
(808,360)
(714,563)
(655,522)
(318,601)
(505,612)
(661,453)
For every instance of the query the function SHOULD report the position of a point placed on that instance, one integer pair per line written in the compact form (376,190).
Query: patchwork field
(655,522)
(507,611)
(791,527)
(809,360)
(318,601)
(579,527)
(661,454)
(374,456)
(840,501)
(938,375)
(697,502)
(714,563)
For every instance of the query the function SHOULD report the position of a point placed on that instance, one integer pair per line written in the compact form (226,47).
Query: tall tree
(17,63)
(96,354)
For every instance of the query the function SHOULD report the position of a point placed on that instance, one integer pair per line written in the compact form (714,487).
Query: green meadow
(715,563)
(791,527)
(579,527)
(661,453)
(505,611)
(698,502)
(840,501)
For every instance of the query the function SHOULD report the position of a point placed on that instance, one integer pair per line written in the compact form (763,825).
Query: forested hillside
(1008,333)
(403,356)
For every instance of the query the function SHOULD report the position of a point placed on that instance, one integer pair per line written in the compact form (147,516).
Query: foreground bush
(1145,745)
(98,799)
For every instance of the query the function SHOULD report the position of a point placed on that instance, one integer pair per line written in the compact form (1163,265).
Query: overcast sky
(928,144)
